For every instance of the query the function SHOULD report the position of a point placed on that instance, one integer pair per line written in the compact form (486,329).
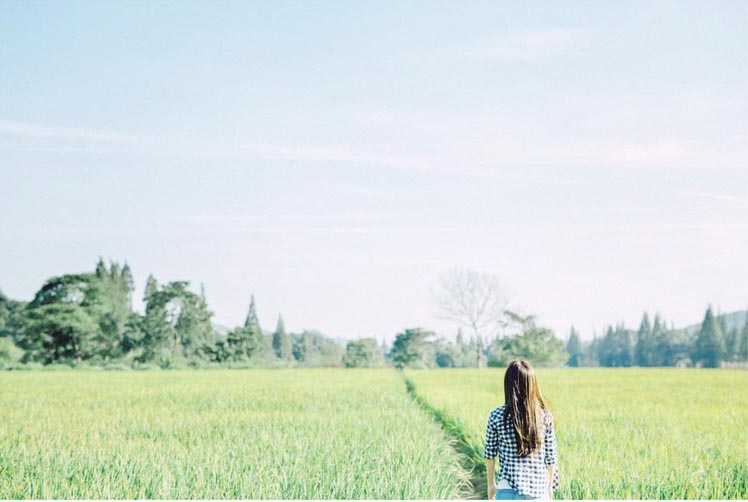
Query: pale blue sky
(336,158)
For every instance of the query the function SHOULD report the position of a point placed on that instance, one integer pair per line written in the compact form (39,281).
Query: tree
(4,312)
(245,342)
(281,341)
(446,354)
(574,348)
(300,345)
(709,347)
(70,302)
(100,270)
(657,337)
(411,349)
(58,332)
(475,301)
(732,344)
(177,323)
(674,348)
(616,348)
(534,343)
(113,305)
(128,282)
(743,351)
(363,353)
(644,350)
(311,348)
(9,352)
(151,286)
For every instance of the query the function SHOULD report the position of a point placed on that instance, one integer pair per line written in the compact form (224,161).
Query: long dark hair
(525,406)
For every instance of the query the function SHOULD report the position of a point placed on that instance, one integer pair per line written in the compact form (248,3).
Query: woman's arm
(490,477)
(490,450)
(550,453)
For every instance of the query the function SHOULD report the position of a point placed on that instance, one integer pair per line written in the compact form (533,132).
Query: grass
(361,434)
(470,453)
(301,434)
(628,433)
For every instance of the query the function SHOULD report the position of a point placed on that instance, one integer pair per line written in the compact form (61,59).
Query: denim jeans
(511,494)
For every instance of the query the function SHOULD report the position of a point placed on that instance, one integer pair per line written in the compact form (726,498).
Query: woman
(521,433)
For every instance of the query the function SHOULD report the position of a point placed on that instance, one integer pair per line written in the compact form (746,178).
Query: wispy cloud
(502,155)
(24,129)
(375,193)
(270,219)
(527,45)
(740,200)
(80,140)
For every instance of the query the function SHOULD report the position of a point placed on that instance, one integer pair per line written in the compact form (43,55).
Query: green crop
(253,434)
(353,434)
(622,433)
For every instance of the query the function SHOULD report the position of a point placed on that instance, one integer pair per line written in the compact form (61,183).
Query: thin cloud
(275,219)
(505,158)
(24,129)
(81,140)
(527,45)
(191,146)
(729,198)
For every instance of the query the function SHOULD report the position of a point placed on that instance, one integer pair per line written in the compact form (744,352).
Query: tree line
(87,319)
(713,345)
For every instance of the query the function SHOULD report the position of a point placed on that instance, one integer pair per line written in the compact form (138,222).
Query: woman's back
(521,433)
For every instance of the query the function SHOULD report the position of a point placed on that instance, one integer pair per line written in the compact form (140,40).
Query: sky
(336,159)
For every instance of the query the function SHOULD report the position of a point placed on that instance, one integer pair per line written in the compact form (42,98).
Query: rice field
(254,434)
(623,433)
(357,434)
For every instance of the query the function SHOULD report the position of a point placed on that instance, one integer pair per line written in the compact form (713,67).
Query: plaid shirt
(529,475)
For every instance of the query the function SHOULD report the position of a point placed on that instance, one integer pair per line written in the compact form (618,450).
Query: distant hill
(732,320)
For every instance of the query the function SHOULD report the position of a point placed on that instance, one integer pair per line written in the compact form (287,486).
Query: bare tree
(474,300)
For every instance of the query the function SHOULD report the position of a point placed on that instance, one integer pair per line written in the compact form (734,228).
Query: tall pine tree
(709,347)
(743,344)
(643,350)
(574,348)
(656,340)
(281,341)
(246,341)
(151,286)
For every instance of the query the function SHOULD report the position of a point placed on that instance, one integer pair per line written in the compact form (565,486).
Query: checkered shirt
(529,475)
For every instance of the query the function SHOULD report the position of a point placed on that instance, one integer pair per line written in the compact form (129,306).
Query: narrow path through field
(470,455)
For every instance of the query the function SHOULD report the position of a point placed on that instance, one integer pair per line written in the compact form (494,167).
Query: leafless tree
(474,300)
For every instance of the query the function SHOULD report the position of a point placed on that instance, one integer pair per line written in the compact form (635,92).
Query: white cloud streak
(527,45)
(740,200)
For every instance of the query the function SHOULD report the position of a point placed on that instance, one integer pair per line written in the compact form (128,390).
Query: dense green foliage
(260,434)
(622,433)
(282,342)
(363,353)
(87,319)
(412,349)
(712,345)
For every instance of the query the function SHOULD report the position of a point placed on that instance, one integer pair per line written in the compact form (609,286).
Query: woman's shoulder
(547,416)
(497,413)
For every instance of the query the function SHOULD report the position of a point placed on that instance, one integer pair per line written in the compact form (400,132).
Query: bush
(9,351)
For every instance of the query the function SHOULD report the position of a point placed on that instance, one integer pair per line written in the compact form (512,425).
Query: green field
(334,433)
(623,433)
(219,434)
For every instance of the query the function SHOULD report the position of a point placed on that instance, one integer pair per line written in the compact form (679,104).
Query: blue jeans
(511,494)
